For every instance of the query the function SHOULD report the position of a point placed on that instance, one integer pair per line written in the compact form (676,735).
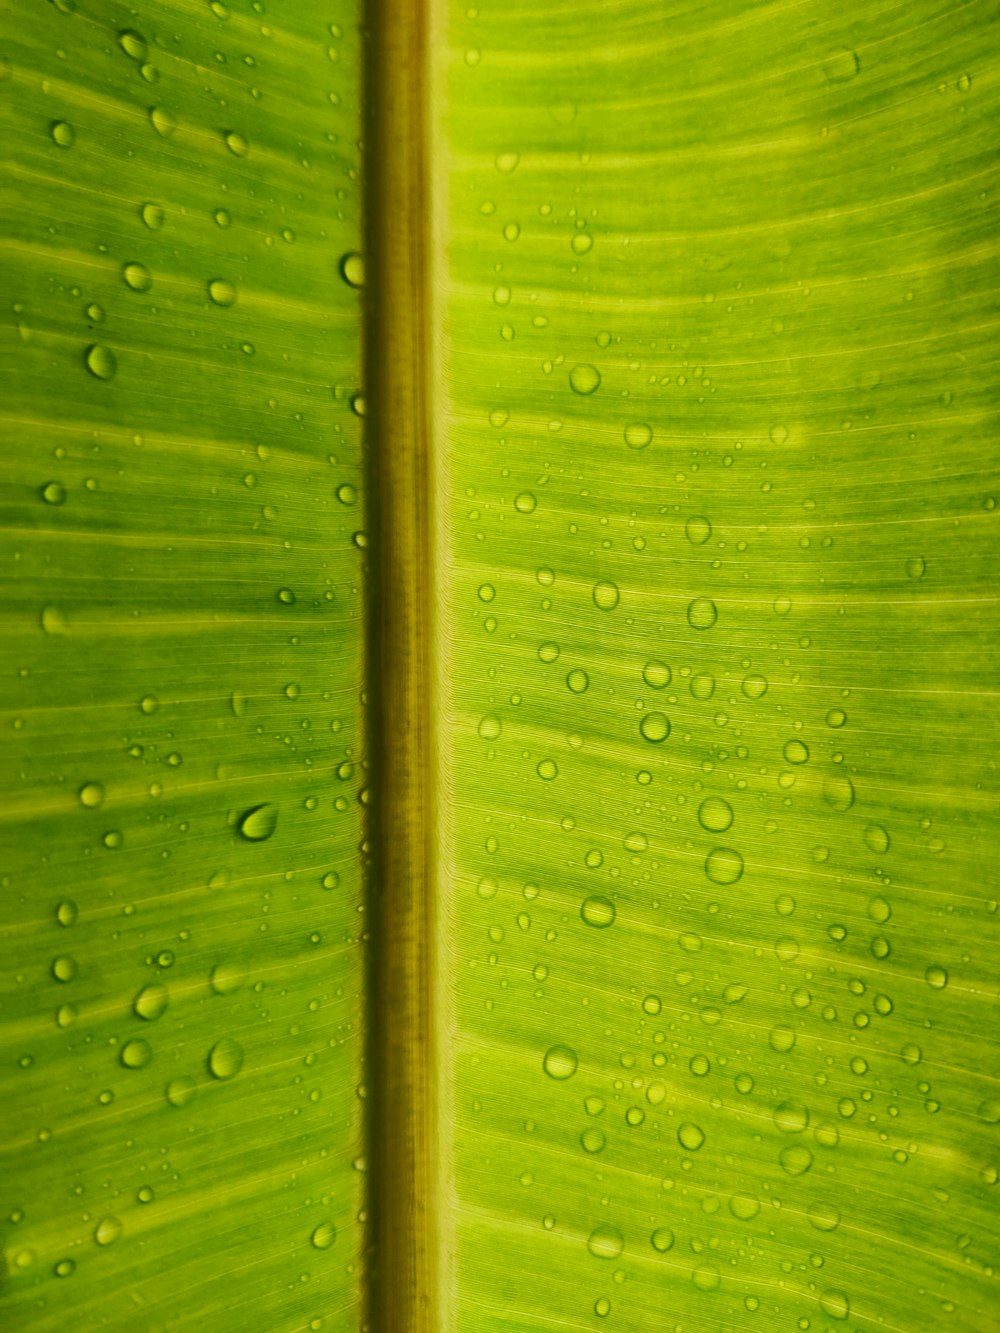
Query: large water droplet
(133,44)
(137,276)
(606,1242)
(91,795)
(796,1159)
(62,133)
(162,121)
(323,1236)
(236,143)
(352,269)
(606,595)
(151,1002)
(836,1304)
(838,792)
(655,727)
(662,1240)
(259,822)
(152,215)
(584,379)
(657,675)
(724,865)
(715,815)
(225,1059)
(638,435)
(108,1230)
(598,911)
(702,613)
(136,1054)
(560,1062)
(577,680)
(222,292)
(100,361)
(690,1136)
(698,530)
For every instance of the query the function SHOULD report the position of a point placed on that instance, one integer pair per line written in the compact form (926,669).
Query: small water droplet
(236,143)
(754,687)
(593,1140)
(838,792)
(877,840)
(490,727)
(916,567)
(226,978)
(577,680)
(162,121)
(152,215)
(525,503)
(795,1159)
(505,163)
(53,621)
(698,530)
(690,1136)
(706,1277)
(259,822)
(836,1304)
(598,911)
(323,1236)
(796,752)
(936,976)
(64,969)
(67,912)
(53,493)
(662,1239)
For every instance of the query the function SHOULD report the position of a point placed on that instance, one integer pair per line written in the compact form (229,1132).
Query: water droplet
(715,815)
(152,215)
(916,567)
(593,1140)
(487,887)
(352,269)
(877,839)
(53,493)
(225,1059)
(151,1002)
(221,292)
(706,1277)
(795,1159)
(841,65)
(754,687)
(487,592)
(697,530)
(606,595)
(236,143)
(744,1206)
(259,822)
(490,727)
(584,379)
(606,1242)
(936,977)
(63,133)
(525,503)
(690,1136)
(823,1216)
(782,1039)
(602,1307)
(65,1268)
(724,865)
(286,596)
(655,727)
(506,162)
(657,675)
(225,978)
(67,912)
(638,435)
(560,1062)
(137,276)
(636,843)
(662,1239)
(180,1092)
(162,121)
(702,686)
(598,911)
(577,680)
(323,1236)
(64,969)
(581,243)
(795,752)
(702,613)
(108,1230)
(838,792)
(136,1054)
(835,1304)
(652,1004)
(100,361)
(133,44)
(91,794)
(547,769)
(778,434)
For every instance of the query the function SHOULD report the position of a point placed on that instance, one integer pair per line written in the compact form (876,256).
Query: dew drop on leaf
(108,1230)
(715,815)
(151,1002)
(606,595)
(662,1240)
(702,613)
(136,1054)
(724,865)
(91,795)
(584,380)
(655,727)
(225,1059)
(352,269)
(560,1062)
(606,1242)
(258,823)
(100,361)
(638,435)
(598,911)
(323,1236)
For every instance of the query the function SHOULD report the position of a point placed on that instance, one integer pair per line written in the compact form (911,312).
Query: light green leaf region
(718,295)
(180,1017)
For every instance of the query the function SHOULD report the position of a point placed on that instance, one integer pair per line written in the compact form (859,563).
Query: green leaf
(181,1009)
(682,991)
